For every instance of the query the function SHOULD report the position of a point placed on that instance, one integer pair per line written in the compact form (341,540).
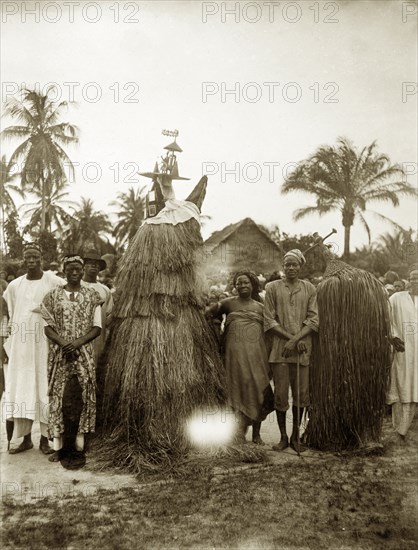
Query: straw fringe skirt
(163,362)
(350,362)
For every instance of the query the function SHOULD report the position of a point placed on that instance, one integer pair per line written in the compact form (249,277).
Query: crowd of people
(289,314)
(221,286)
(48,355)
(54,331)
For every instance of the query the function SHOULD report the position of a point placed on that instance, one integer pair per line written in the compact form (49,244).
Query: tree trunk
(348,220)
(346,254)
(43,202)
(3,245)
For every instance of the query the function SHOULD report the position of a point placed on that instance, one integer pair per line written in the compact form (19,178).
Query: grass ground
(323,502)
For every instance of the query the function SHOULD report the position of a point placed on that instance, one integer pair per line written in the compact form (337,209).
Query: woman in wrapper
(245,355)
(73,320)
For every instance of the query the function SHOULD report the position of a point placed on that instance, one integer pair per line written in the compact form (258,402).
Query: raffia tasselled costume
(163,363)
(351,361)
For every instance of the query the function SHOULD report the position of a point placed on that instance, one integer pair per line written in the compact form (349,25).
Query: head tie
(71,259)
(297,254)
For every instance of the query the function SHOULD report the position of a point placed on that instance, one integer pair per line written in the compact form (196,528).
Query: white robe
(404,373)
(26,391)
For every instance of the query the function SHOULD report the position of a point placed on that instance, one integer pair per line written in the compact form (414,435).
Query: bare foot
(55,456)
(284,443)
(74,460)
(44,446)
(297,446)
(239,439)
(24,446)
(258,441)
(401,440)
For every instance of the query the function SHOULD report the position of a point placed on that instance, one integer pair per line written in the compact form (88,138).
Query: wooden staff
(321,240)
(298,407)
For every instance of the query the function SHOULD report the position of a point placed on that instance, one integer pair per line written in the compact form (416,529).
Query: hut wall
(247,247)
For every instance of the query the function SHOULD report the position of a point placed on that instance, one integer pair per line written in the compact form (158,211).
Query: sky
(252,87)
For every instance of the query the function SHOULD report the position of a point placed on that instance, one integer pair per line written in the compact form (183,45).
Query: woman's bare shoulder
(228,303)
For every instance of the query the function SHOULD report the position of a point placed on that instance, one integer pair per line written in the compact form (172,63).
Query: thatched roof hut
(242,245)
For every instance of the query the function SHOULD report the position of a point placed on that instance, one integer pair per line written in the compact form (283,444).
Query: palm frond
(365,225)
(388,220)
(308,210)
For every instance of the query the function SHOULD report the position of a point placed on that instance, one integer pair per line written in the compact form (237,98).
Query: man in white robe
(403,393)
(26,392)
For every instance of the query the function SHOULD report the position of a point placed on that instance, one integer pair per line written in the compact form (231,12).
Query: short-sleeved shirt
(97,319)
(290,309)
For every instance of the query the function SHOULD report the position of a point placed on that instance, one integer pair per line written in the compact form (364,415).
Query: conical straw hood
(197,196)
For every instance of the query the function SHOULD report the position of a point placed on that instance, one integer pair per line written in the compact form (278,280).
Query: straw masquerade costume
(351,361)
(163,362)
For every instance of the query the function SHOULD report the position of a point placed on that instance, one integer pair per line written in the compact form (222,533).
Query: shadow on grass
(295,505)
(212,502)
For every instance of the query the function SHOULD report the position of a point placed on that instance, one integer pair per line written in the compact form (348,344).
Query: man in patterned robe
(73,320)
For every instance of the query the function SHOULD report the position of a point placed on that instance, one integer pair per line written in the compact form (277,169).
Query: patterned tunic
(71,320)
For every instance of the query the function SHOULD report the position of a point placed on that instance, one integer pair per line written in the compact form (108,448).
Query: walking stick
(298,394)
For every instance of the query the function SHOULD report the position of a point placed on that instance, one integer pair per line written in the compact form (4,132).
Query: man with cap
(93,264)
(73,320)
(26,391)
(290,315)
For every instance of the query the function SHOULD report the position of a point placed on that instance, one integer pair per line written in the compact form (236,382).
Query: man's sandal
(22,447)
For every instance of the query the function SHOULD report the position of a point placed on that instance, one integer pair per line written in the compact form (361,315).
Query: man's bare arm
(280,332)
(54,337)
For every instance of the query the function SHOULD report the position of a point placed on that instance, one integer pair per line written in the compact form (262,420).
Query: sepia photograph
(209,274)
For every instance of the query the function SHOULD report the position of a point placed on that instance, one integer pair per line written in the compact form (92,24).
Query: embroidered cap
(31,246)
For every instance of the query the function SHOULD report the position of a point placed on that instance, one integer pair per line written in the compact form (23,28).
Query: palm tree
(342,179)
(130,215)
(7,204)
(370,258)
(395,246)
(6,198)
(87,228)
(56,217)
(40,155)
